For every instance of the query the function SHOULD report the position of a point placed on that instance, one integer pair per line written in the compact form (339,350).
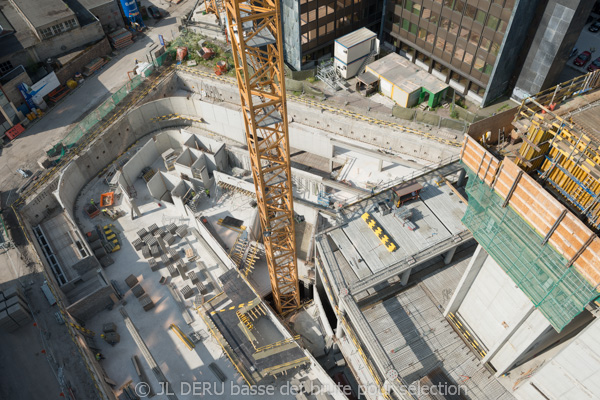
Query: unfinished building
(529,296)
(148,226)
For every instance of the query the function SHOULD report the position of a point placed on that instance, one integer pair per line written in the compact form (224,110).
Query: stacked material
(94,66)
(14,312)
(120,38)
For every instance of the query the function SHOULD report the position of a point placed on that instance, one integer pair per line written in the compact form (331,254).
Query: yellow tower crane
(254,29)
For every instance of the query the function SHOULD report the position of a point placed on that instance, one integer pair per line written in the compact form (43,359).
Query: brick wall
(99,49)
(12,91)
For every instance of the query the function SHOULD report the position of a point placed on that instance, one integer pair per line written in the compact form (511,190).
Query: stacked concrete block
(14,312)
(169,238)
(99,253)
(142,232)
(137,244)
(12,291)
(150,240)
(187,292)
(201,288)
(165,260)
(138,290)
(146,302)
(161,232)
(173,254)
(153,264)
(146,252)
(182,231)
(7,324)
(193,277)
(155,250)
(172,270)
(131,281)
(106,261)
(171,228)
(182,270)
(153,229)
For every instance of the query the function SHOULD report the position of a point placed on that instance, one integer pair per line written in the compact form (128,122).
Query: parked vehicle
(582,59)
(573,52)
(594,65)
(595,27)
(154,12)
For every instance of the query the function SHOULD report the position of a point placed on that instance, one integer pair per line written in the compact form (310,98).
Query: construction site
(209,235)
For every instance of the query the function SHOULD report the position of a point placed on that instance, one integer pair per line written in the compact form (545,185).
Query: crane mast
(255,31)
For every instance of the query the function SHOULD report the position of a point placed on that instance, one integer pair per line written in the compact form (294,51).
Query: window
(492,22)
(453,28)
(468,58)
(430,37)
(46,33)
(474,38)
(422,33)
(459,53)
(459,6)
(502,26)
(464,33)
(439,44)
(413,29)
(495,49)
(5,67)
(470,11)
(480,17)
(445,23)
(479,64)
(487,69)
(449,48)
(485,44)
(70,24)
(405,24)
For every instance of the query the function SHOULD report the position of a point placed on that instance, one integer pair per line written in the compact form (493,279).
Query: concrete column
(339,330)
(467,280)
(380,166)
(135,211)
(449,255)
(404,277)
(461,178)
(493,351)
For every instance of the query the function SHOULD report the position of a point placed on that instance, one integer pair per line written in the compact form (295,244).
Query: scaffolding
(550,281)
(563,154)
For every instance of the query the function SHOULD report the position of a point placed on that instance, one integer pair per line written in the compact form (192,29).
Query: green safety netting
(91,120)
(559,292)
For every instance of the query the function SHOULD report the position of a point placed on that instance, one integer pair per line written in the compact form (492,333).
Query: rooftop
(356,37)
(402,73)
(45,12)
(23,37)
(362,257)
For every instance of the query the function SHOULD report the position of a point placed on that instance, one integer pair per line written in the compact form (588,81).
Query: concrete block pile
(14,312)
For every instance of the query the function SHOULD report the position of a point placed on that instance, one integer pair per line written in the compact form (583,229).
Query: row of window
(451,75)
(59,28)
(427,15)
(457,52)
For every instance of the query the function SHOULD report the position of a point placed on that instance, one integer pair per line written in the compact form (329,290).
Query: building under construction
(516,318)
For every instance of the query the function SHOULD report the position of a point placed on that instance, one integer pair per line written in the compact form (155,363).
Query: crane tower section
(255,32)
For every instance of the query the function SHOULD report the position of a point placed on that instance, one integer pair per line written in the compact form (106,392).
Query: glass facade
(462,36)
(323,21)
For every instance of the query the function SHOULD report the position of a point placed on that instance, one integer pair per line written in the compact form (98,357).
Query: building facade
(478,47)
(310,27)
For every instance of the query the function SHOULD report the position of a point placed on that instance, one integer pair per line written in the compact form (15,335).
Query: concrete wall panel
(493,304)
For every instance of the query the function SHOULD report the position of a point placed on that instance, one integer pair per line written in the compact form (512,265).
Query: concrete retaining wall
(304,118)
